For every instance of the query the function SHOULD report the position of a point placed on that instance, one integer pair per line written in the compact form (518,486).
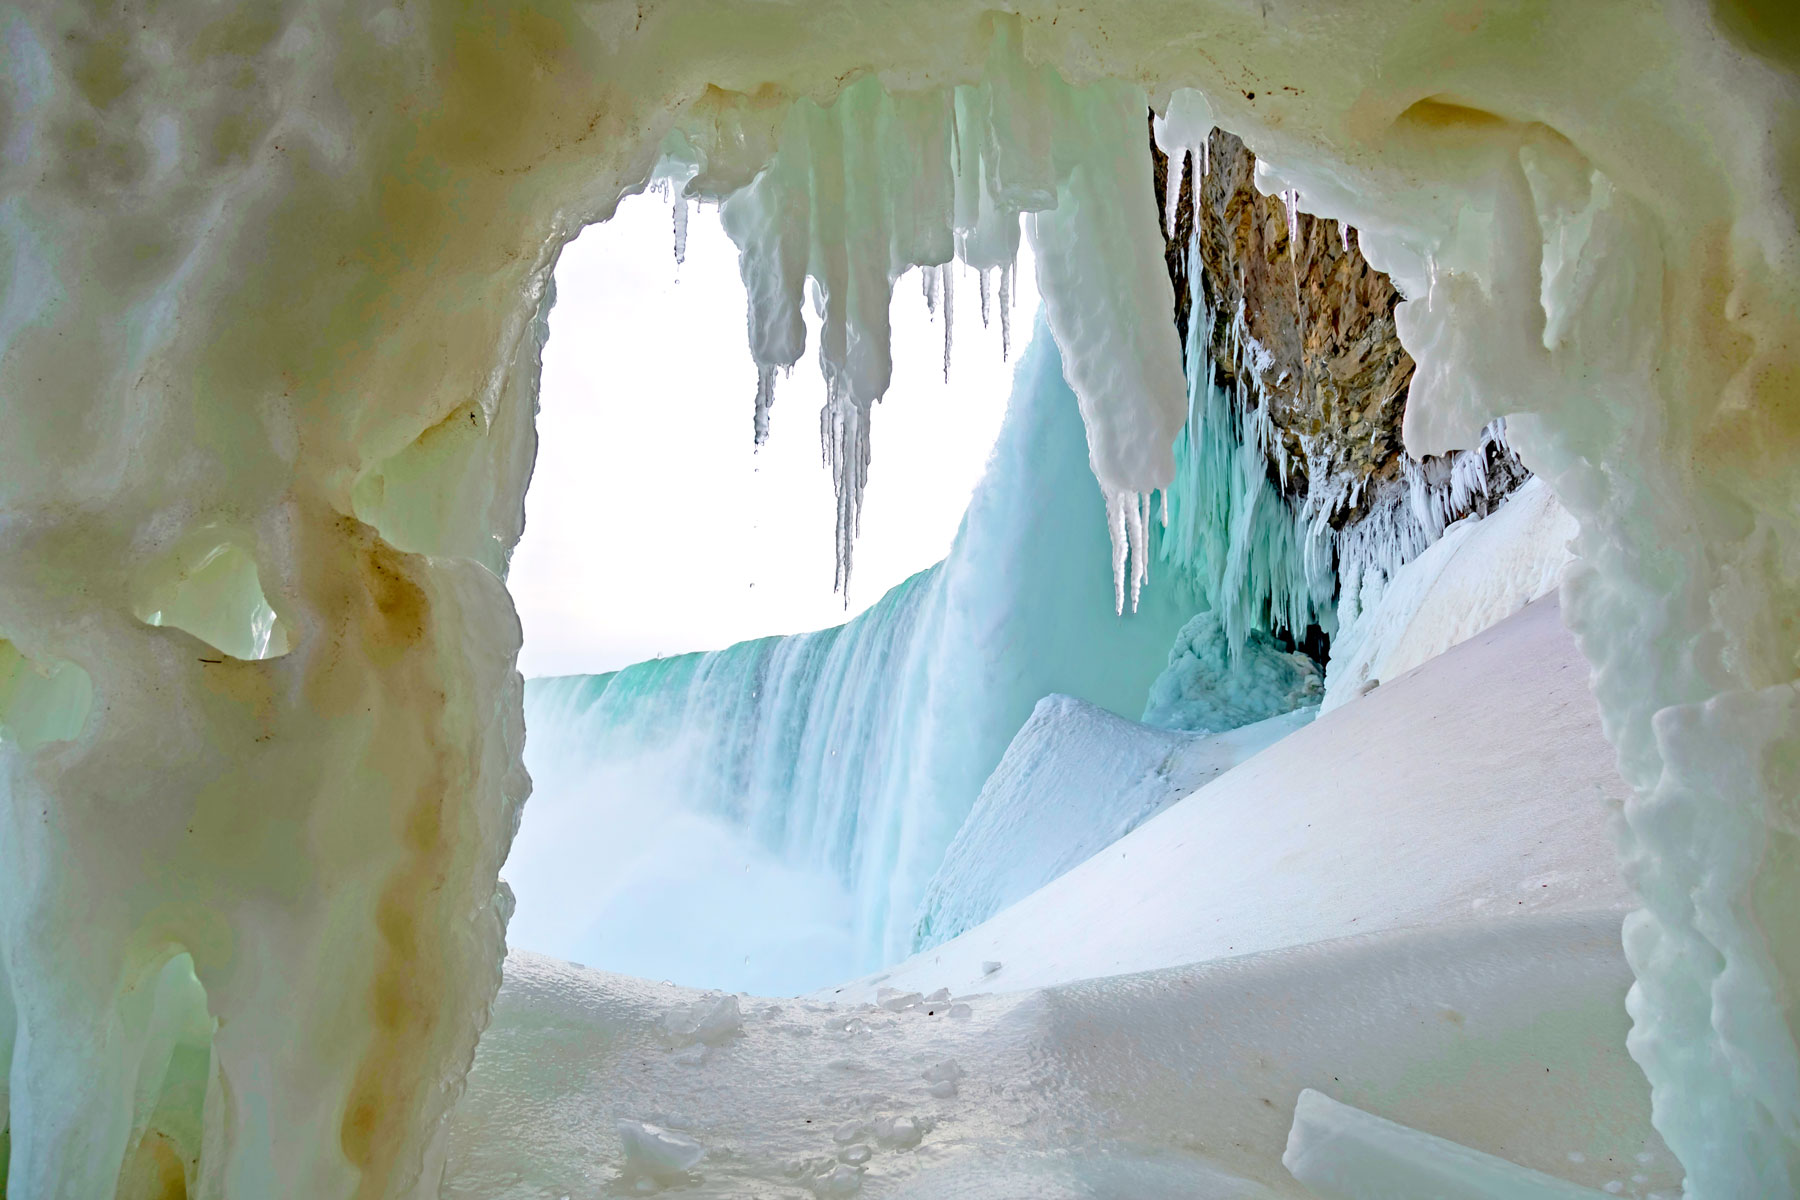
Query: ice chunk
(1343,1153)
(654,1152)
(943,1078)
(711,1021)
(901,1132)
(895,1000)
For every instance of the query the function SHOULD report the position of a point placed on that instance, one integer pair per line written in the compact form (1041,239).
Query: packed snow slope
(767,816)
(1477,787)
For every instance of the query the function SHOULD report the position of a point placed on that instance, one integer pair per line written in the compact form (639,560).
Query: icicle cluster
(852,195)
(1251,553)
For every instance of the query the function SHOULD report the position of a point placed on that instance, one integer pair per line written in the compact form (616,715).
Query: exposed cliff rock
(1299,325)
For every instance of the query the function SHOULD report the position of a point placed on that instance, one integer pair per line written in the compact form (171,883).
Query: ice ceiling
(269,330)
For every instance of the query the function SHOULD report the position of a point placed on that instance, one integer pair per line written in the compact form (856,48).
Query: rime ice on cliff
(273,306)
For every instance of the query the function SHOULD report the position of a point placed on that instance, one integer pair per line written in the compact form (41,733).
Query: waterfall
(766,817)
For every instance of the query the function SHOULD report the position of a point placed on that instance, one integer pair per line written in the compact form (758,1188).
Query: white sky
(651,525)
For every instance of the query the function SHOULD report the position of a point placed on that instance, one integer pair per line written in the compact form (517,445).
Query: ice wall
(277,269)
(849,756)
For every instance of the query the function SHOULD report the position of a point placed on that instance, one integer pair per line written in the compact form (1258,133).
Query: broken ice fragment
(713,1020)
(895,1000)
(1343,1153)
(902,1133)
(656,1153)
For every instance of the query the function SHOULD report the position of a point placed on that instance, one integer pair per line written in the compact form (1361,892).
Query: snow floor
(1408,906)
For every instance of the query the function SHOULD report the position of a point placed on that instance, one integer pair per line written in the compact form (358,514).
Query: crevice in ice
(208,586)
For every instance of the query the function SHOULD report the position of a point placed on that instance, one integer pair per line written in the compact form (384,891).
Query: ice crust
(282,268)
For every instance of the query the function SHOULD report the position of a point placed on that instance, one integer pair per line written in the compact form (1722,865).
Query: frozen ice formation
(277,273)
(858,191)
(1212,685)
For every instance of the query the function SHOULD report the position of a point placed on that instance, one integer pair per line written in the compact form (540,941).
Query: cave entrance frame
(361,299)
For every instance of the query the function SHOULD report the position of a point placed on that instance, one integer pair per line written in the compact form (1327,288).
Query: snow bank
(1478,787)
(1074,780)
(1482,571)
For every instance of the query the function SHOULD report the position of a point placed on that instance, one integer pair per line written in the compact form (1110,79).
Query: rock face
(1299,322)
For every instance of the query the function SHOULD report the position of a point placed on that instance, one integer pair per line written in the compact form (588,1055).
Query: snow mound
(1075,779)
(1207,688)
(1476,787)
(1483,570)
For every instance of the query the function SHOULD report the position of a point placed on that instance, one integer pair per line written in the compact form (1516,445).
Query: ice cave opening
(1280,788)
(632,857)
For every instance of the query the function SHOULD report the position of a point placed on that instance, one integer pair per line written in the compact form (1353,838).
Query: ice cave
(1350,748)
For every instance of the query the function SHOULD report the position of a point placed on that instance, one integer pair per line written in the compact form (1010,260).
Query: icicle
(948,278)
(765,399)
(928,282)
(1006,300)
(982,276)
(1290,199)
(1116,521)
(679,210)
(1344,235)
(1178,164)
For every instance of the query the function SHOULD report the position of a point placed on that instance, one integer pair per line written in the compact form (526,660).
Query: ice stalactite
(859,191)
